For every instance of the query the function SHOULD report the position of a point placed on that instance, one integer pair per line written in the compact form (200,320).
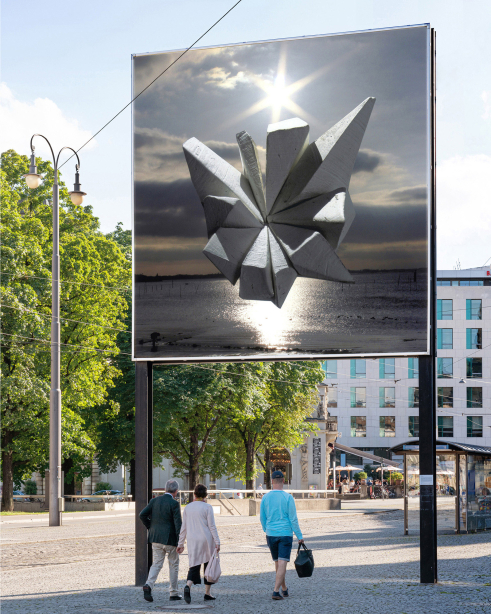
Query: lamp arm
(43,137)
(71,149)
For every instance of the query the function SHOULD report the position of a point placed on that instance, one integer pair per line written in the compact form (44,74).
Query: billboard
(282,193)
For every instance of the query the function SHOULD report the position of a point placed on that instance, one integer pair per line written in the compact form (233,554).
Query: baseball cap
(277,475)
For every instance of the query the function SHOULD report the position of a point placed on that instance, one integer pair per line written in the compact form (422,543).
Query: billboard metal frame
(431,254)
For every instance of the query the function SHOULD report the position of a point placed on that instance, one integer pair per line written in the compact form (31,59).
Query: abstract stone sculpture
(269,235)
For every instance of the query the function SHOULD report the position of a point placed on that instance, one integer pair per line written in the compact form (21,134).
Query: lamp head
(77,195)
(32,178)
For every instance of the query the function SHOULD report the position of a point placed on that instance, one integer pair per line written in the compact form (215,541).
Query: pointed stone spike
(327,164)
(241,217)
(211,175)
(286,142)
(284,274)
(331,214)
(256,280)
(227,249)
(216,210)
(252,168)
(311,254)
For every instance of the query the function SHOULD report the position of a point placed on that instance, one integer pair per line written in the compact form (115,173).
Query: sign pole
(427,390)
(143,465)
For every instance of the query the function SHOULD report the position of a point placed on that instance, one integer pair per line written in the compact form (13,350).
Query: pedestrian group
(168,532)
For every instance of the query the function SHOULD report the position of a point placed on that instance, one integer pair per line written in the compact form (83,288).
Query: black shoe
(209,598)
(277,596)
(285,593)
(147,593)
(187,594)
(175,598)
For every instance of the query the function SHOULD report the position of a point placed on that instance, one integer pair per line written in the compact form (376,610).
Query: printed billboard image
(281,198)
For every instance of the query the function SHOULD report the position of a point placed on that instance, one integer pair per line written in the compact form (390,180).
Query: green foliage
(30,487)
(103,486)
(360,475)
(396,475)
(95,266)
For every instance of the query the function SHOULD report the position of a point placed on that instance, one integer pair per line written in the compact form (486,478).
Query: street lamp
(33,180)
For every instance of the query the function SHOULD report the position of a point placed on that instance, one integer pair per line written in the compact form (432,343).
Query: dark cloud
(367,162)
(168,210)
(408,195)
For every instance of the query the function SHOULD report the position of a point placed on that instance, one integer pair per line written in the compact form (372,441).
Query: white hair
(171,486)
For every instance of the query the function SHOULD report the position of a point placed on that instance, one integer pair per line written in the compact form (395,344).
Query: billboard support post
(427,386)
(142,488)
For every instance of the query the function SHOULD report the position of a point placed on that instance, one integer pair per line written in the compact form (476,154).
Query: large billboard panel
(281,197)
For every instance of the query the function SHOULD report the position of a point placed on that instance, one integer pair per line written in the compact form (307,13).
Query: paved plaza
(363,564)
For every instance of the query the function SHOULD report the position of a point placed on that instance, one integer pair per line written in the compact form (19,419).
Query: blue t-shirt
(279,515)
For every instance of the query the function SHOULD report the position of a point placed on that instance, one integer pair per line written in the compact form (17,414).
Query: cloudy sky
(215,93)
(66,70)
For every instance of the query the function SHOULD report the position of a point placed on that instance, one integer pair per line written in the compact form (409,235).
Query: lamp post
(33,180)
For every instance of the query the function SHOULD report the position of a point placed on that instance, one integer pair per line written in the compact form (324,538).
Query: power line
(61,281)
(153,81)
(44,315)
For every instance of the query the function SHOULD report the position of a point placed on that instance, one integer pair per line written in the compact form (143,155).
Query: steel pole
(55,394)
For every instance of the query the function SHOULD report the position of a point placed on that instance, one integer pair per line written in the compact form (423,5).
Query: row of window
(358,368)
(473,309)
(387,426)
(460,282)
(387,397)
(473,367)
(473,338)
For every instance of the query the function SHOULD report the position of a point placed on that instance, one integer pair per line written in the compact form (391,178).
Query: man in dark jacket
(162,517)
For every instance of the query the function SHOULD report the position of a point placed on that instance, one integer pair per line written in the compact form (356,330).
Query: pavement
(363,563)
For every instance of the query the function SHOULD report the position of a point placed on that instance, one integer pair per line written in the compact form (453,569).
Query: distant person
(198,527)
(279,521)
(162,517)
(260,491)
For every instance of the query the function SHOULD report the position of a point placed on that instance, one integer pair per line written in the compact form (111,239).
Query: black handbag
(304,562)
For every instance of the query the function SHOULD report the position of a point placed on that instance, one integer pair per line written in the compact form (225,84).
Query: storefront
(463,472)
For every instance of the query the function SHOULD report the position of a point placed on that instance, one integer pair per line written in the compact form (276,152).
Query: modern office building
(376,401)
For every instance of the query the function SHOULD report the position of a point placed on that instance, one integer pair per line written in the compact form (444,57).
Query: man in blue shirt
(279,521)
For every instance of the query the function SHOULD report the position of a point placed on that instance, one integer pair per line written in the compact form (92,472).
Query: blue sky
(66,70)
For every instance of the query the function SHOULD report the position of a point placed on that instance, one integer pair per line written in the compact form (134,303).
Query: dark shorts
(280,547)
(194,575)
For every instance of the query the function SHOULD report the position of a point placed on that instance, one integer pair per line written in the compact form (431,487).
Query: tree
(93,268)
(278,417)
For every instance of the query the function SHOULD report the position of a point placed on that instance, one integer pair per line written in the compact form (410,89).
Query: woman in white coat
(198,527)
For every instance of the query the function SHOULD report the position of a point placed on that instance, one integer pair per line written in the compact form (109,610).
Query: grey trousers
(159,552)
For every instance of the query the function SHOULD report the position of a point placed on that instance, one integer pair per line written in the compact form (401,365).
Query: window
(445,367)
(474,397)
(413,368)
(445,426)
(445,397)
(387,426)
(444,282)
(474,338)
(358,426)
(330,367)
(358,368)
(473,309)
(413,397)
(387,397)
(474,367)
(332,396)
(471,282)
(474,426)
(387,368)
(358,397)
(413,426)
(444,309)
(445,338)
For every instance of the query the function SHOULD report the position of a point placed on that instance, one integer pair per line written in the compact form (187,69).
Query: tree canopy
(94,272)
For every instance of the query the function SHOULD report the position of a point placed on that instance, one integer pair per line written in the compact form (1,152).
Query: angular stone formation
(269,235)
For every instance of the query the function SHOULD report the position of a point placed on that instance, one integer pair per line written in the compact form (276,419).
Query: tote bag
(304,563)
(213,570)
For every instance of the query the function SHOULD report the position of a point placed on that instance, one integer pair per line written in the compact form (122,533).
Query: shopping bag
(304,562)
(213,570)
